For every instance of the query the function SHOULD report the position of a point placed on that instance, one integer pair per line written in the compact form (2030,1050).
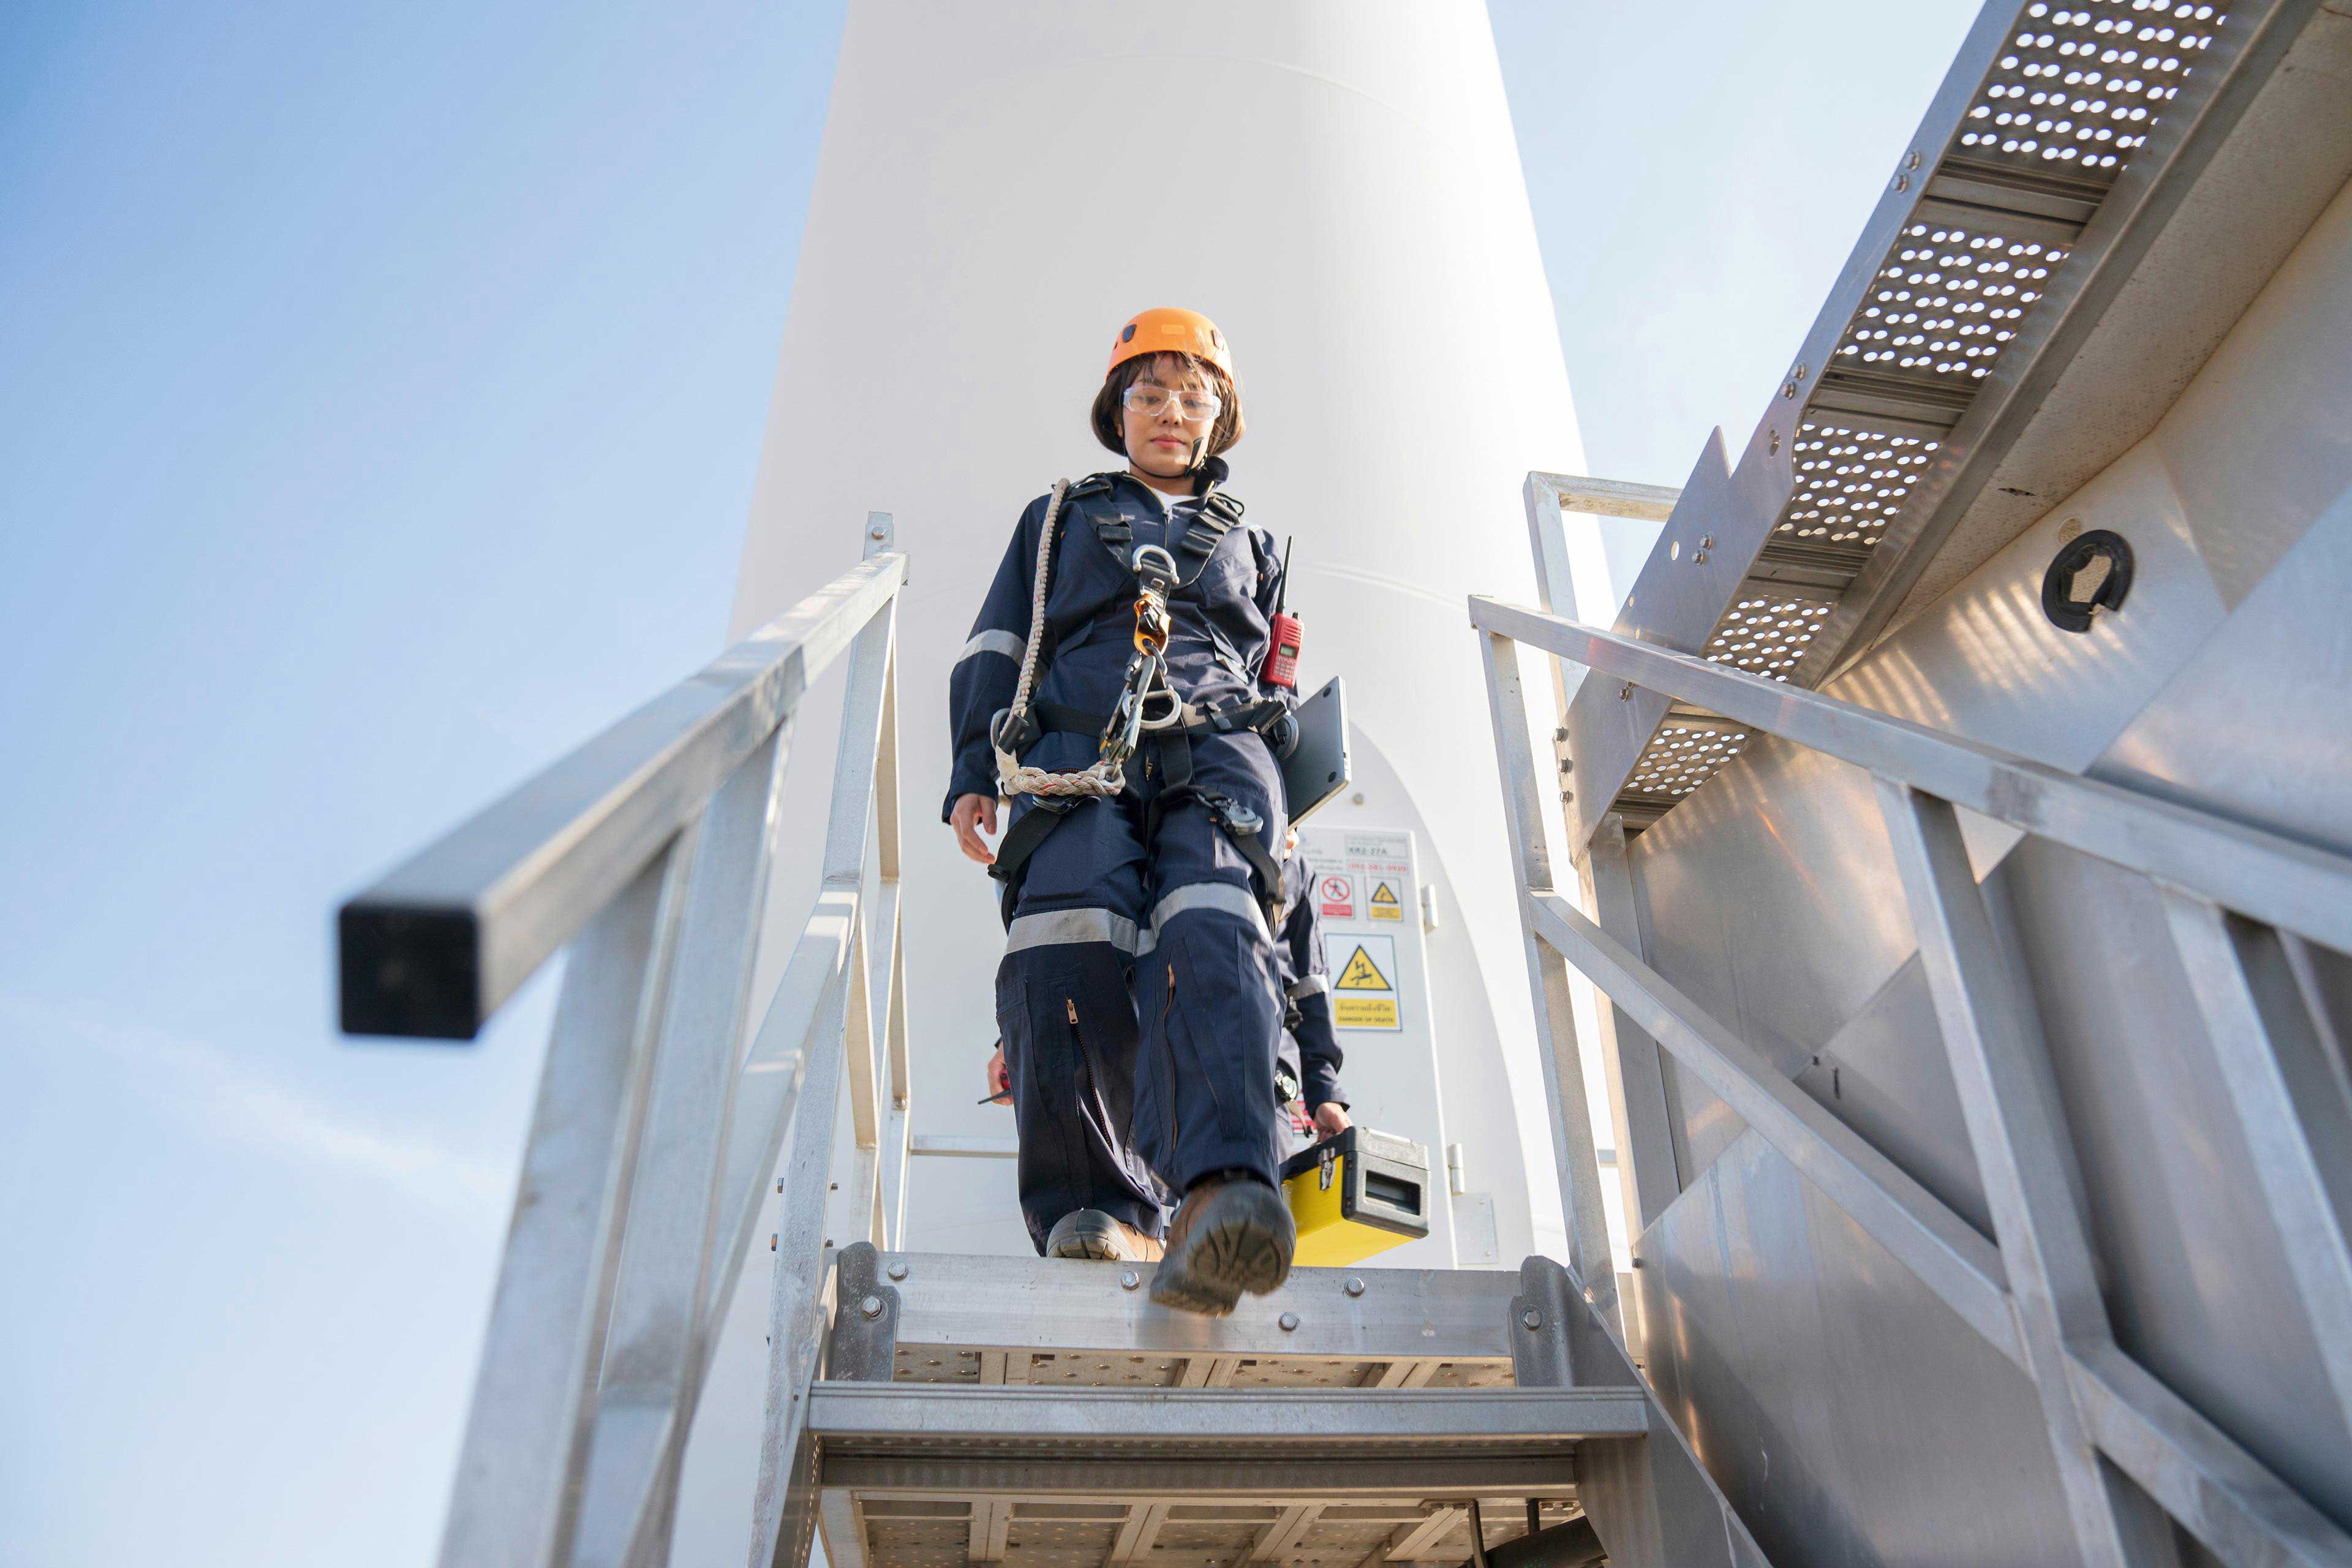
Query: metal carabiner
(1125,731)
(1163,565)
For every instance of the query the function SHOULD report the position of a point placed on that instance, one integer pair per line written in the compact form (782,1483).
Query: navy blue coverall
(1138,999)
(1311,1056)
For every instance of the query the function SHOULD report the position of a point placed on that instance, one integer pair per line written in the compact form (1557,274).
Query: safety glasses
(1151,401)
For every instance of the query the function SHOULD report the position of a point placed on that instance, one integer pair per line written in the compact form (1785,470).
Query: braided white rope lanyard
(1104,778)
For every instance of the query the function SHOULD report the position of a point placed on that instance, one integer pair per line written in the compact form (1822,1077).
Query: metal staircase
(2063,1276)
(921,1409)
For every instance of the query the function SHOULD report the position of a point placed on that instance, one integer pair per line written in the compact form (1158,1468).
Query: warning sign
(1363,981)
(1336,895)
(1384,903)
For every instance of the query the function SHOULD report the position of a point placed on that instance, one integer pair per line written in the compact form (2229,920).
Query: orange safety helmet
(1168,330)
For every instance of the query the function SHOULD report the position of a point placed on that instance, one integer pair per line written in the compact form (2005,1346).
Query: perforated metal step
(1046,1414)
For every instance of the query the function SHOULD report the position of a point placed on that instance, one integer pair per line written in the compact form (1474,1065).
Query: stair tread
(876,1417)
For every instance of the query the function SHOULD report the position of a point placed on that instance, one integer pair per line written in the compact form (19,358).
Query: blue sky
(380,394)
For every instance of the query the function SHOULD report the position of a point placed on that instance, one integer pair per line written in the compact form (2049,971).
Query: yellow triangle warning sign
(1361,975)
(1384,894)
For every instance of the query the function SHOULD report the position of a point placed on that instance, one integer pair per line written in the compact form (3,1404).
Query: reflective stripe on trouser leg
(1211,1016)
(1061,928)
(1062,995)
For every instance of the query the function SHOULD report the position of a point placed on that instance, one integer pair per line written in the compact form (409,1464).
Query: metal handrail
(656,1130)
(2269,877)
(2230,892)
(435,946)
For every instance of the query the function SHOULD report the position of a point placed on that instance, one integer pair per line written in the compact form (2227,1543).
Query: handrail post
(516,1500)
(1575,1164)
(832,1187)
(1646,1121)
(656,1356)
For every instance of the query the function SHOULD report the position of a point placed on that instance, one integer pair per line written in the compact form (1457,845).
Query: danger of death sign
(1363,981)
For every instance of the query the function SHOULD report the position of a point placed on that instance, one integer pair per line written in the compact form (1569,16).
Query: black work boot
(1090,1233)
(1233,1233)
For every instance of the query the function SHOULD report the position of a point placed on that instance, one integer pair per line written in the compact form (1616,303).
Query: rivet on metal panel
(1771,442)
(1674,550)
(1561,733)
(1626,692)
(1531,1319)
(771,1241)
(1911,160)
(1289,1321)
(1902,181)
(897,1271)
(871,1306)
(1130,1280)
(1568,764)
(780,1183)
(1354,1287)
(1567,795)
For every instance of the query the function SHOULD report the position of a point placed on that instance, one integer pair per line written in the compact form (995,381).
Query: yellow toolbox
(1356,1195)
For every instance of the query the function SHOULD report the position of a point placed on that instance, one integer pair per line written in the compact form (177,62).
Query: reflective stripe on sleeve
(1058,927)
(1006,643)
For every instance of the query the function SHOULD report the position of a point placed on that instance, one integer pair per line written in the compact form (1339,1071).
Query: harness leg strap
(1021,841)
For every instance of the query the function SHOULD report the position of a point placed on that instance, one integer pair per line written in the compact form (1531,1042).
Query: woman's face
(1160,432)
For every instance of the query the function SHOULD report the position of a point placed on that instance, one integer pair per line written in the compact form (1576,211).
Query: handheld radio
(1285,635)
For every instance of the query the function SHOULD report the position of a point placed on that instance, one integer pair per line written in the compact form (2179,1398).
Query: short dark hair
(1109,401)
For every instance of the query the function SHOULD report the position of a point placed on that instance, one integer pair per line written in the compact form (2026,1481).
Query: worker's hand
(1000,1080)
(1290,844)
(1331,1118)
(971,814)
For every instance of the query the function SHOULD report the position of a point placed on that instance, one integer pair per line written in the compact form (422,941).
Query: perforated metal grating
(1946,300)
(1681,757)
(1849,482)
(1765,635)
(936,1531)
(2076,92)
(2082,84)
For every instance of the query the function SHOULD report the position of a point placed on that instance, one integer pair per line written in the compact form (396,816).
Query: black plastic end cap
(411,973)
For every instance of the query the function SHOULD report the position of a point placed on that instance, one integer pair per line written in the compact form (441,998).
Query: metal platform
(1047,1413)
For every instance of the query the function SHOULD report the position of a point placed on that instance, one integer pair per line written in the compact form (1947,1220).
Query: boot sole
(1246,1248)
(1090,1242)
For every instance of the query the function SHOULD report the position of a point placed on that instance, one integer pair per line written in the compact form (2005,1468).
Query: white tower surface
(1337,185)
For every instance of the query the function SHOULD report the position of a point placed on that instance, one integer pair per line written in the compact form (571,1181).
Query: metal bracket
(1540,1357)
(864,1344)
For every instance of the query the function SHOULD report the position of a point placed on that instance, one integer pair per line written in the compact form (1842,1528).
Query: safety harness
(1147,704)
